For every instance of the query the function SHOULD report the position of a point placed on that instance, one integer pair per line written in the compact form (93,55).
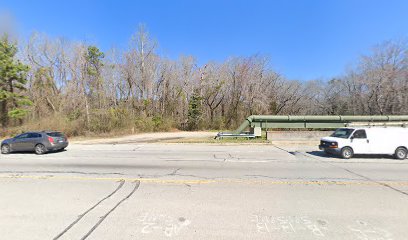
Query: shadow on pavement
(322,154)
(33,153)
(362,156)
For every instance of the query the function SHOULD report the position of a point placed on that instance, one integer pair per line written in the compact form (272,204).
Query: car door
(31,141)
(359,142)
(19,142)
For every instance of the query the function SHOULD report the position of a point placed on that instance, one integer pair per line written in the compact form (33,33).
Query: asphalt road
(199,191)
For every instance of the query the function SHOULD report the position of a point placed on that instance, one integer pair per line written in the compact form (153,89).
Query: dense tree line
(75,87)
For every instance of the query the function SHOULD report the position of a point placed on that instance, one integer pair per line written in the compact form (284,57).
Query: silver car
(38,142)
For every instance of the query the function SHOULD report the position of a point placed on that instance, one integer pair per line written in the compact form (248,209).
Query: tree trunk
(4,116)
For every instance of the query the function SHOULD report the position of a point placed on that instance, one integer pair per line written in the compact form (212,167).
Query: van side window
(360,134)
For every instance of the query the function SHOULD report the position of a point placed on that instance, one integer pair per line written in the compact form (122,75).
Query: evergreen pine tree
(194,111)
(13,77)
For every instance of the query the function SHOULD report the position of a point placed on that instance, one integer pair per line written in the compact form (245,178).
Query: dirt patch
(310,138)
(145,138)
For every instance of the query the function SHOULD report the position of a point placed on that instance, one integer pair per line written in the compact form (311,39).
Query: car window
(55,134)
(24,135)
(360,134)
(34,135)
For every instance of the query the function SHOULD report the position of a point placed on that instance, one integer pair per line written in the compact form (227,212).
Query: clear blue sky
(306,39)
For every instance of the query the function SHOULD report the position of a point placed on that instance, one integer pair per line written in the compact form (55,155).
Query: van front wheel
(346,152)
(400,153)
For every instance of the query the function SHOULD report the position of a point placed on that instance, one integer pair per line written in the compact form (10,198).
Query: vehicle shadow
(322,154)
(33,153)
(362,156)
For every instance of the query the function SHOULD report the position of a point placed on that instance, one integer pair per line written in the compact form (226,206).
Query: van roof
(374,127)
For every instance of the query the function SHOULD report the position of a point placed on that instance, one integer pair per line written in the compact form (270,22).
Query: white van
(368,140)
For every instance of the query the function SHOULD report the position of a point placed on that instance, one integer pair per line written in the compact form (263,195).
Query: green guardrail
(326,122)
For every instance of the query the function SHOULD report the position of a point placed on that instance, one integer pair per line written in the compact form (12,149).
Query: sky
(304,39)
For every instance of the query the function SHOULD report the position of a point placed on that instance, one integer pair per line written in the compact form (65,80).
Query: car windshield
(24,135)
(342,133)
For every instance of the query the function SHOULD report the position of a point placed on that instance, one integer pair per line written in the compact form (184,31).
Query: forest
(75,87)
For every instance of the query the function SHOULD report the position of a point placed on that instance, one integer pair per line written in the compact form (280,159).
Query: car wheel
(400,153)
(40,149)
(347,153)
(5,149)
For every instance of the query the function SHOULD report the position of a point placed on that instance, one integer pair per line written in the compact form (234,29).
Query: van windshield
(342,133)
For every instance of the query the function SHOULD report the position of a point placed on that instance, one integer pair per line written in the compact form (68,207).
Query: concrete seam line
(227,181)
(90,209)
(387,185)
(359,175)
(377,182)
(102,218)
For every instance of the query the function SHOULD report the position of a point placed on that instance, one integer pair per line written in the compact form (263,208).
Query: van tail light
(51,140)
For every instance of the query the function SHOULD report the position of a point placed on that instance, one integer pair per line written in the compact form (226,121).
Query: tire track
(87,211)
(137,184)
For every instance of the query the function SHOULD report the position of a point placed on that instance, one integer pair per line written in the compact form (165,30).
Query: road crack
(174,172)
(357,174)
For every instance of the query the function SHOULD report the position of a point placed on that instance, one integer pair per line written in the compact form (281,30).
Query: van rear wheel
(347,152)
(400,153)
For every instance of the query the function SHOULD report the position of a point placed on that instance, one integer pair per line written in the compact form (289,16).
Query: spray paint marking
(288,225)
(365,231)
(170,226)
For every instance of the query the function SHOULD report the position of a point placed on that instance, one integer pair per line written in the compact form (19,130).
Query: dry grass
(104,127)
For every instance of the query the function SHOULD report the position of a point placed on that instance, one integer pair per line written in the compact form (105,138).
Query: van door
(359,142)
(382,140)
